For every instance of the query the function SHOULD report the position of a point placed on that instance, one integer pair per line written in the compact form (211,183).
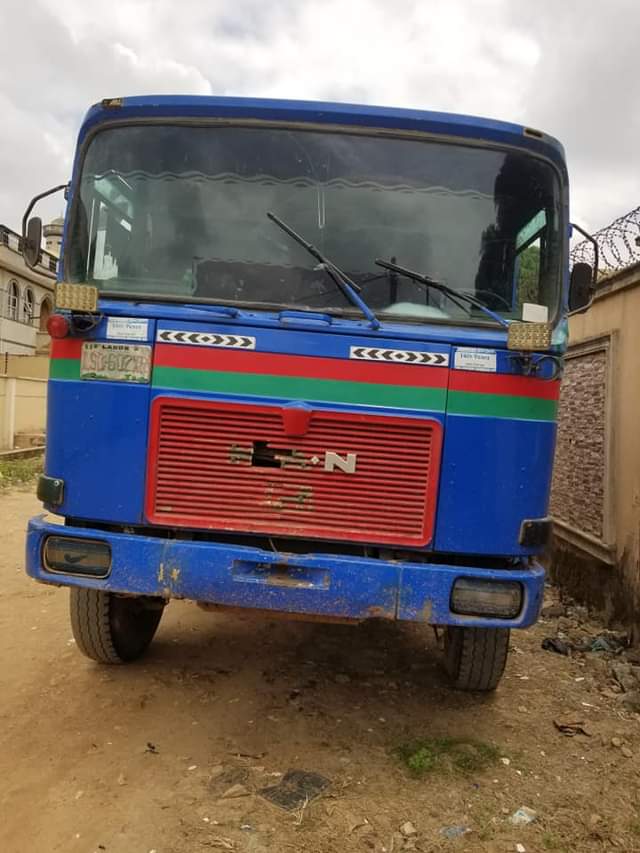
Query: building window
(27,308)
(14,300)
(45,313)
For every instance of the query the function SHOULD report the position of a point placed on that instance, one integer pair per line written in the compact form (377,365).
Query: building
(595,498)
(26,296)
(53,236)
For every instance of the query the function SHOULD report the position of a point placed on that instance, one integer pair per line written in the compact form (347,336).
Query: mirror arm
(25,220)
(35,200)
(596,251)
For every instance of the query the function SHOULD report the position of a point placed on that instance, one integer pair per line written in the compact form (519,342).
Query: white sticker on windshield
(470,358)
(533,313)
(127,329)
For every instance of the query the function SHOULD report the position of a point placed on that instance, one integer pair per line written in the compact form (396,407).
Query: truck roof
(320,112)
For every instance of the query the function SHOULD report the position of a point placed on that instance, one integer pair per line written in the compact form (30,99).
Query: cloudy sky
(569,68)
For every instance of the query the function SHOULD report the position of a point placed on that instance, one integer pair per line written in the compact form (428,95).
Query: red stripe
(66,347)
(275,364)
(493,383)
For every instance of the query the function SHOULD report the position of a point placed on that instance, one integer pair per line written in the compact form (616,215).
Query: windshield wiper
(341,279)
(454,295)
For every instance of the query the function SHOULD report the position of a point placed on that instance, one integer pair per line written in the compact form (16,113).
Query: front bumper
(324,585)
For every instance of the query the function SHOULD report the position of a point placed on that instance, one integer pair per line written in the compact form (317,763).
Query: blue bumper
(324,585)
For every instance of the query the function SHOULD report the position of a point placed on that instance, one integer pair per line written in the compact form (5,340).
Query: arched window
(45,313)
(14,300)
(27,307)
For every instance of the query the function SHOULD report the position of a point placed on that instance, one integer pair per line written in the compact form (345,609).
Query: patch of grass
(445,754)
(16,472)
(550,842)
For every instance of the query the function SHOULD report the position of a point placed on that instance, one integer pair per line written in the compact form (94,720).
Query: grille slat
(167,482)
(207,470)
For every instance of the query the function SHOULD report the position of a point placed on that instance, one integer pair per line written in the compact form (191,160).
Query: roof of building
(54,228)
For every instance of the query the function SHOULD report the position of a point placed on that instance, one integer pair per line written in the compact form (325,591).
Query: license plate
(116,362)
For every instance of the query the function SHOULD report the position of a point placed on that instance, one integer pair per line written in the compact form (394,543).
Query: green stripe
(501,406)
(301,388)
(64,368)
(336,391)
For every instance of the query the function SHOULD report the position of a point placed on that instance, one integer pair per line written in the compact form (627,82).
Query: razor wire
(618,245)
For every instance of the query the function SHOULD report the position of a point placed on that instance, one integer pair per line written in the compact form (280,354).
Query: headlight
(77,556)
(477,597)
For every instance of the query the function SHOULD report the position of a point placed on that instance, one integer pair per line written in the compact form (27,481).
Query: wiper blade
(454,295)
(198,302)
(341,279)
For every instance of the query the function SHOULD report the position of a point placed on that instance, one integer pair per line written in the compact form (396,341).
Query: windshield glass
(181,211)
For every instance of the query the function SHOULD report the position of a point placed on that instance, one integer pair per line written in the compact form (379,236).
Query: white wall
(23,408)
(17,337)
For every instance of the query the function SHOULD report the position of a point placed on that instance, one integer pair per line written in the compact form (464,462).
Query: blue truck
(305,359)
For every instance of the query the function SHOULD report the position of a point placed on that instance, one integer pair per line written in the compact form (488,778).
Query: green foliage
(15,472)
(529,276)
(446,754)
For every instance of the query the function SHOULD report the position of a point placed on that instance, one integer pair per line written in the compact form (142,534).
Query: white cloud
(546,64)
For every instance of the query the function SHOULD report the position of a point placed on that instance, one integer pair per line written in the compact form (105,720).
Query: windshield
(181,211)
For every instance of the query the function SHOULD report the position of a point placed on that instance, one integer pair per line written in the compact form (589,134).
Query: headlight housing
(74,556)
(478,597)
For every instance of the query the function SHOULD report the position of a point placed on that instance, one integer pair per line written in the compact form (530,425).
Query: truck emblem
(345,463)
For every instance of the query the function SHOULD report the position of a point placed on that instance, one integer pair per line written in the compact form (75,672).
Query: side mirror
(32,246)
(32,232)
(580,286)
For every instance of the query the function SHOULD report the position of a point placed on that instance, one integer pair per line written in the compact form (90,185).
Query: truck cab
(305,359)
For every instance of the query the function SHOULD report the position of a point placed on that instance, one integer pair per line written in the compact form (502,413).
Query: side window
(528,274)
(27,308)
(111,222)
(45,313)
(528,271)
(13,300)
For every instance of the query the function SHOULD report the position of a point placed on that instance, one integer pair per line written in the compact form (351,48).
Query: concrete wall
(23,404)
(17,337)
(596,487)
(33,366)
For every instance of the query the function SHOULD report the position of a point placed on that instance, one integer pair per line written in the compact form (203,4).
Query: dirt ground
(138,759)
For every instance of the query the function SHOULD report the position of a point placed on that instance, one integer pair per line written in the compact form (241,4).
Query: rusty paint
(380,613)
(161,573)
(175,574)
(276,614)
(239,454)
(292,459)
(282,575)
(427,610)
(302,499)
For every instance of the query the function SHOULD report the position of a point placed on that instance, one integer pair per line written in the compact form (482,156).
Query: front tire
(475,658)
(112,629)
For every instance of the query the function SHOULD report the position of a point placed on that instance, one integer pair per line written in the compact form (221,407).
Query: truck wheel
(475,657)
(112,629)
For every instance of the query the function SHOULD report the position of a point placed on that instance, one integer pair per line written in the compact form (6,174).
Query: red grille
(234,467)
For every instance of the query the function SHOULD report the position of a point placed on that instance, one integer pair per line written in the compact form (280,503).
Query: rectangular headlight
(85,557)
(477,597)
(529,336)
(76,297)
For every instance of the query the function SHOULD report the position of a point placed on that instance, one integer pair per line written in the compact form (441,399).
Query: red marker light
(58,326)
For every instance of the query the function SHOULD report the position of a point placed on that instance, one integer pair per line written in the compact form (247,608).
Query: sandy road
(236,701)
